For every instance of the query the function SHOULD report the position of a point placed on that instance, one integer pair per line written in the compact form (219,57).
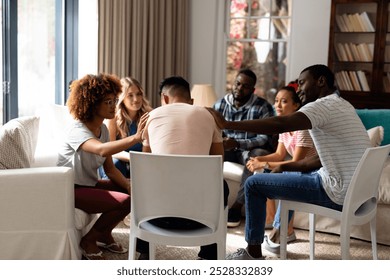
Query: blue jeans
(241,157)
(296,186)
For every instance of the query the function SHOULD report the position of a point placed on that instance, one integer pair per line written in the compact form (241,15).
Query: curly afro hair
(88,92)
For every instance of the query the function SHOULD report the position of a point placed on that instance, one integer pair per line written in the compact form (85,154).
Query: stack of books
(352,81)
(354,22)
(354,52)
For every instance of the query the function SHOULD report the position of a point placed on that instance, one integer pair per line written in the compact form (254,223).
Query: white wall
(207,44)
(309,35)
(308,42)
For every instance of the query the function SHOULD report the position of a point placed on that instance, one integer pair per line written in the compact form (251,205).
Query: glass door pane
(36,55)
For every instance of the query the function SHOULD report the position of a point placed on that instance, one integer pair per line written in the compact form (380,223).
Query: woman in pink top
(295,145)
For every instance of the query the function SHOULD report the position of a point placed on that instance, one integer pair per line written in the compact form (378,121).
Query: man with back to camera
(242,104)
(339,137)
(178,127)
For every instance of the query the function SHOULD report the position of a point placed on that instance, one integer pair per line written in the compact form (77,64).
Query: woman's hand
(219,119)
(254,164)
(141,126)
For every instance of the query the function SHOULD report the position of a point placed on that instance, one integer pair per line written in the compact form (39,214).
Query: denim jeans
(241,157)
(296,186)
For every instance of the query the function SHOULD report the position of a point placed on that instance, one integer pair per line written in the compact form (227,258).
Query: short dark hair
(175,85)
(319,70)
(248,72)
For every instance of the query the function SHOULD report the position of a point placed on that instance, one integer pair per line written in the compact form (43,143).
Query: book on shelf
(339,82)
(367,22)
(359,21)
(340,52)
(354,22)
(366,51)
(354,80)
(347,80)
(355,52)
(348,52)
(363,80)
(341,23)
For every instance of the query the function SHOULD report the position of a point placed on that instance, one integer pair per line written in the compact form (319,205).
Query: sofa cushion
(376,135)
(18,140)
(376,117)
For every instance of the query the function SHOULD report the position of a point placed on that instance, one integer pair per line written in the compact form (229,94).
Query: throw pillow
(18,140)
(376,135)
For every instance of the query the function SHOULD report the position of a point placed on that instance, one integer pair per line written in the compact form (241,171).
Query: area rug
(327,247)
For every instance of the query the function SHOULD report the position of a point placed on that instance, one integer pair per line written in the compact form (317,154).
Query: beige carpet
(327,247)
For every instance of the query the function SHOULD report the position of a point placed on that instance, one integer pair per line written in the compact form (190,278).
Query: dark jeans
(208,252)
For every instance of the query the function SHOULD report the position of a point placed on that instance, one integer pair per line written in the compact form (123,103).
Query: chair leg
(312,234)
(132,248)
(152,251)
(373,239)
(221,251)
(283,230)
(345,240)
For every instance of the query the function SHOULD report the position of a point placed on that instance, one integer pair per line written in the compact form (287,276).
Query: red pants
(111,201)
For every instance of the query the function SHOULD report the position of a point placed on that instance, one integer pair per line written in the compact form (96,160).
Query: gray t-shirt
(85,165)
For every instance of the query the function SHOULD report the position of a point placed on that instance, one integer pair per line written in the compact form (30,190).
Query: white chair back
(185,186)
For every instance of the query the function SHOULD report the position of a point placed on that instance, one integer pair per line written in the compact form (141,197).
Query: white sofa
(371,119)
(38,219)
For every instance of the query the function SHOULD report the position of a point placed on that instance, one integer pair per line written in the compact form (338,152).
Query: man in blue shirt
(238,105)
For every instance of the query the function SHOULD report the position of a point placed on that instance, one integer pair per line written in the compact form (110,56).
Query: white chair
(359,208)
(185,186)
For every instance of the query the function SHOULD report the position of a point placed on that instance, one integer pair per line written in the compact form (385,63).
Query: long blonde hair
(122,115)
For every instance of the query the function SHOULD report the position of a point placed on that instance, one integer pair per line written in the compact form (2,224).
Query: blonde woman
(132,104)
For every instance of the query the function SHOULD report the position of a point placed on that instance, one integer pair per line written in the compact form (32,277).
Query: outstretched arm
(271,125)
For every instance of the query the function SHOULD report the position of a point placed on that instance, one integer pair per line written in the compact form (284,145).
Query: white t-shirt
(181,128)
(85,165)
(340,139)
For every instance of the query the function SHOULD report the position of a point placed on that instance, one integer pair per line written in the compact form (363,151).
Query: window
(36,54)
(258,35)
(41,49)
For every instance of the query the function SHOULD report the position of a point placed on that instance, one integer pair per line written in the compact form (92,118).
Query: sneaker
(234,218)
(241,254)
(273,247)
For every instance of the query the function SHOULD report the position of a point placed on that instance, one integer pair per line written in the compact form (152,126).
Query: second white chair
(182,186)
(359,207)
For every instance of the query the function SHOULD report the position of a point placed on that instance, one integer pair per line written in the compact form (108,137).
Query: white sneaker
(241,254)
(273,247)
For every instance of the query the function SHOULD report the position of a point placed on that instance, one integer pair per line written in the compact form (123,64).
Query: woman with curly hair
(87,147)
(132,104)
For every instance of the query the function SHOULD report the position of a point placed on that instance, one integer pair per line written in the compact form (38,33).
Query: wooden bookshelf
(359,51)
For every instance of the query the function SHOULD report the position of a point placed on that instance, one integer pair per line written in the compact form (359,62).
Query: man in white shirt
(178,127)
(339,137)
